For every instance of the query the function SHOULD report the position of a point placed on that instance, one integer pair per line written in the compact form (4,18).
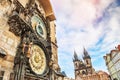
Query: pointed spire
(75,56)
(85,54)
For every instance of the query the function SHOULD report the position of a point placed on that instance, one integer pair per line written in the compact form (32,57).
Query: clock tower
(28,40)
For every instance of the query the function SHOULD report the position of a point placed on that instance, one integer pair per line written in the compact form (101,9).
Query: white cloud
(79,12)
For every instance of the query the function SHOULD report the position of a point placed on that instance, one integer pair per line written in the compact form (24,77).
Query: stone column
(6,75)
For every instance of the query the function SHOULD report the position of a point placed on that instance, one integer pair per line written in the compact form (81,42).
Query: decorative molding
(17,25)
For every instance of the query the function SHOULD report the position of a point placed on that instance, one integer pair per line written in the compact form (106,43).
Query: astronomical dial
(39,26)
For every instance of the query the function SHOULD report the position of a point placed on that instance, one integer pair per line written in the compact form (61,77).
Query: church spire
(75,56)
(85,54)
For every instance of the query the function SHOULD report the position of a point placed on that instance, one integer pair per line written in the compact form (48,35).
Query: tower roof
(85,54)
(75,56)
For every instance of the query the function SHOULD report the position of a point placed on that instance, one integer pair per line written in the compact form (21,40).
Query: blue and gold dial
(39,26)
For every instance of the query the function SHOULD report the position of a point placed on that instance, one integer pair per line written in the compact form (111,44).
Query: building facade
(28,48)
(112,60)
(84,69)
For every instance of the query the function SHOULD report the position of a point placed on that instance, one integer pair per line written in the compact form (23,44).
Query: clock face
(37,60)
(39,26)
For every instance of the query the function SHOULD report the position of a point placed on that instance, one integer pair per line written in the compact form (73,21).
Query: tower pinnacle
(85,54)
(75,56)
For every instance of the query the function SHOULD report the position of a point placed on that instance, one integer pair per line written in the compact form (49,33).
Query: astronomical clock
(38,54)
(34,52)
(38,59)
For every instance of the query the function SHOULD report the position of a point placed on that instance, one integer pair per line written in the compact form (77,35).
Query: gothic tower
(76,61)
(82,68)
(79,66)
(87,61)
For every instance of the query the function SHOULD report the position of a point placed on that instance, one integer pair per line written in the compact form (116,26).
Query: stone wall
(8,41)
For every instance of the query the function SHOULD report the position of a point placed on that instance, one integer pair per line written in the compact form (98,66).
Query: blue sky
(93,24)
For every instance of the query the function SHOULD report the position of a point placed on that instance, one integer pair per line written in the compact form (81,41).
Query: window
(83,72)
(75,64)
(87,62)
(1,75)
(11,76)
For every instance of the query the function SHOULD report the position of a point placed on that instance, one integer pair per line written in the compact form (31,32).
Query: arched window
(87,62)
(83,72)
(75,64)
(1,75)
